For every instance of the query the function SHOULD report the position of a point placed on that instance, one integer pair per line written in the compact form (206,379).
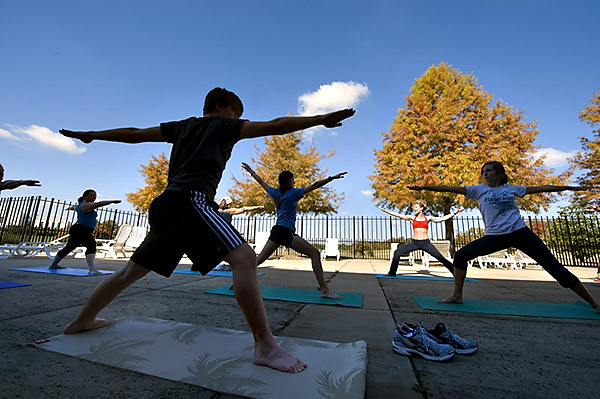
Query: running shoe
(415,340)
(461,345)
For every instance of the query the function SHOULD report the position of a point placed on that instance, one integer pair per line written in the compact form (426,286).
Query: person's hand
(459,210)
(416,188)
(76,135)
(32,183)
(339,175)
(334,119)
(247,167)
(116,201)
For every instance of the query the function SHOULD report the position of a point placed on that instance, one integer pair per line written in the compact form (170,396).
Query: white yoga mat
(219,359)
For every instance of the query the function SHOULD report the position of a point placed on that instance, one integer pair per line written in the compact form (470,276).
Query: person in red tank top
(420,239)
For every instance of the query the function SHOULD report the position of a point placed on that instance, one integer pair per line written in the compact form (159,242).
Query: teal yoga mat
(214,273)
(423,277)
(350,299)
(577,310)
(8,284)
(69,271)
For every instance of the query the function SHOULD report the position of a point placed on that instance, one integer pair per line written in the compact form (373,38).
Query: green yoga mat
(577,310)
(350,299)
(218,359)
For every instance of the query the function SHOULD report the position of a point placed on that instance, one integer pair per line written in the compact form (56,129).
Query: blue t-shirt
(498,207)
(86,218)
(286,205)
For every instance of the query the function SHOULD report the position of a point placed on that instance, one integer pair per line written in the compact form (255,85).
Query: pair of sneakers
(439,344)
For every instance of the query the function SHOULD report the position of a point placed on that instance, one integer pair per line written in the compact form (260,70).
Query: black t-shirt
(201,149)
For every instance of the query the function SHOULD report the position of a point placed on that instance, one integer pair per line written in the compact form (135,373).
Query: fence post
(5,218)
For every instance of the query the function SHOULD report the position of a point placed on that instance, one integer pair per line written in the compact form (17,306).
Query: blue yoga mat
(8,284)
(577,310)
(69,271)
(215,273)
(350,299)
(423,277)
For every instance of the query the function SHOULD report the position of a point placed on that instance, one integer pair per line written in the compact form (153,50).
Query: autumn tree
(588,159)
(447,129)
(287,153)
(155,176)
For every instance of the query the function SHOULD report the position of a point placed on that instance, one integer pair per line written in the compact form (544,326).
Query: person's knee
(461,261)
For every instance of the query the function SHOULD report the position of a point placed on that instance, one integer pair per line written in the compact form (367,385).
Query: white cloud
(554,158)
(367,193)
(331,97)
(47,137)
(5,134)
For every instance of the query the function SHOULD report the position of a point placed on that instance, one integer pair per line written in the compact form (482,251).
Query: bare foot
(56,267)
(280,360)
(330,294)
(94,271)
(76,327)
(451,299)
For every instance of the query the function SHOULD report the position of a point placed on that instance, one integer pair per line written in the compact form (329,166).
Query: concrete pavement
(518,356)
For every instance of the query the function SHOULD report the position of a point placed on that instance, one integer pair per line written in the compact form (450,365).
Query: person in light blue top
(505,228)
(286,199)
(80,234)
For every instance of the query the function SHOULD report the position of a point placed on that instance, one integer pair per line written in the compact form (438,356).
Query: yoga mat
(69,271)
(214,273)
(8,284)
(577,310)
(350,299)
(422,277)
(218,359)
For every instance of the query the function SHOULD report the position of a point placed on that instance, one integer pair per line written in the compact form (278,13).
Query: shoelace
(426,340)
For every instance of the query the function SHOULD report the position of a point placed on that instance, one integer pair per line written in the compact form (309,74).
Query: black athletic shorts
(185,223)
(282,235)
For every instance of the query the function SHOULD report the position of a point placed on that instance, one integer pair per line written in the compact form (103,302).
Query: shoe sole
(409,352)
(465,351)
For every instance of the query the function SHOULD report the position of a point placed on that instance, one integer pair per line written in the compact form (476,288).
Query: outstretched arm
(237,211)
(399,215)
(11,184)
(441,189)
(288,124)
(122,135)
(553,189)
(255,176)
(446,217)
(321,183)
(90,206)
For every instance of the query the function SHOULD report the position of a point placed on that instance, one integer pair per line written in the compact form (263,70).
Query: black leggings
(414,245)
(523,239)
(79,235)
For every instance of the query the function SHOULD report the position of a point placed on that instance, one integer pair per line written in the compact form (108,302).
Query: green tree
(575,232)
(287,153)
(588,159)
(155,176)
(447,129)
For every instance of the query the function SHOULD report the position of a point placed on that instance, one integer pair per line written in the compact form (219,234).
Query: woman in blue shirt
(283,233)
(504,228)
(80,234)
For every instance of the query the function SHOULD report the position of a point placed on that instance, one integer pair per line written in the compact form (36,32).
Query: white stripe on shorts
(220,227)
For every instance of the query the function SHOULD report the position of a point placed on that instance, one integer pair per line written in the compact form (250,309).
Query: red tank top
(420,224)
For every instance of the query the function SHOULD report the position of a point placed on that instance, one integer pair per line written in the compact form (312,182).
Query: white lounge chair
(28,249)
(523,260)
(134,240)
(260,241)
(410,257)
(110,247)
(443,246)
(497,259)
(7,250)
(331,248)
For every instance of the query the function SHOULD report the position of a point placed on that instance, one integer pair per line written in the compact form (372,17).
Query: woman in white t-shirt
(505,228)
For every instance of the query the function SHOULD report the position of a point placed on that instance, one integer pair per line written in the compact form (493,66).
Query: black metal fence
(42,219)
(575,241)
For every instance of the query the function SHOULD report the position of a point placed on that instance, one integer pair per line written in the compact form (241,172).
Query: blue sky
(85,65)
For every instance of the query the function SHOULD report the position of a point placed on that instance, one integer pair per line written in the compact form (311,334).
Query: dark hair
(284,178)
(499,168)
(222,98)
(86,192)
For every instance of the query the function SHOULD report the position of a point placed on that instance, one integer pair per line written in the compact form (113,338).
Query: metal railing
(575,241)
